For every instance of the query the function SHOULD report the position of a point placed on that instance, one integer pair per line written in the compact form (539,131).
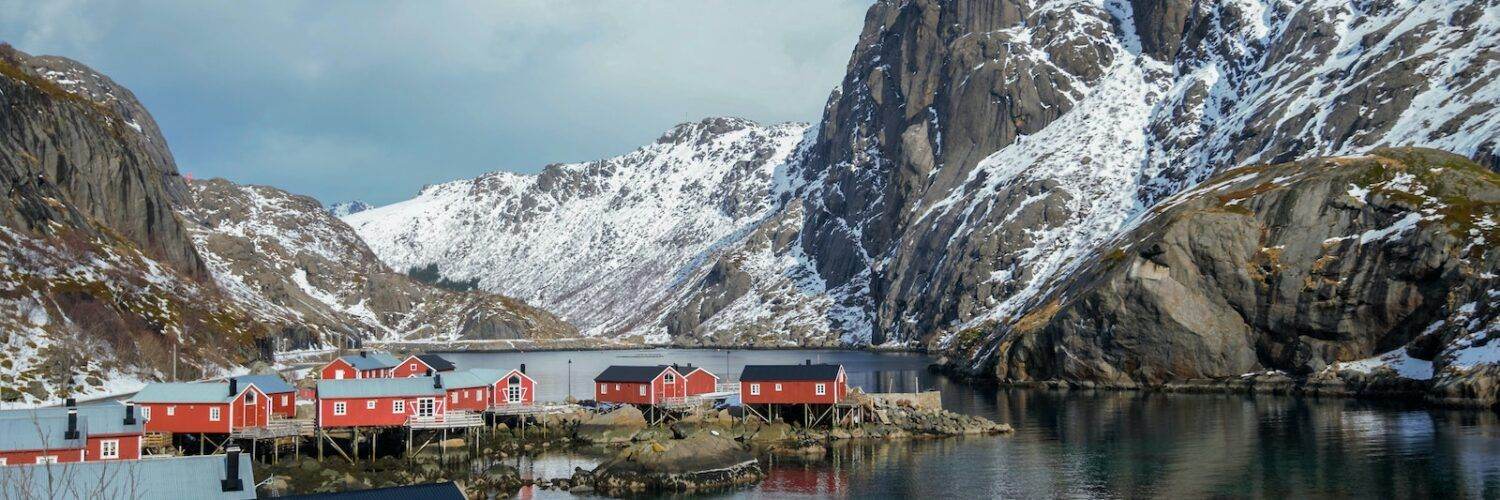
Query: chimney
(72,432)
(523,367)
(70,403)
(364,354)
(234,387)
(232,480)
(130,413)
(429,372)
(809,362)
(437,381)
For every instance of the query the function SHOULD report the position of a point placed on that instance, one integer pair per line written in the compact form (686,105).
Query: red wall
(284,404)
(630,392)
(700,381)
(189,418)
(469,398)
(328,370)
(67,455)
(528,389)
(794,392)
(247,414)
(130,447)
(359,415)
(410,367)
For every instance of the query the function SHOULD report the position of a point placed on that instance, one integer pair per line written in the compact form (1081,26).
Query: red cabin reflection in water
(820,479)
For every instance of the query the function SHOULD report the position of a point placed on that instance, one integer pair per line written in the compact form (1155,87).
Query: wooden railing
(277,427)
(446,420)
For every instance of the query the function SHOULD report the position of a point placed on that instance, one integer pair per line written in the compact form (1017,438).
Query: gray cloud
(371,100)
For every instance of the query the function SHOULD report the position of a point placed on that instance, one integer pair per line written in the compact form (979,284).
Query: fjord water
(1087,444)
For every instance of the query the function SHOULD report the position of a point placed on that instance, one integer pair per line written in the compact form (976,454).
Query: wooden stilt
(355,443)
(201,439)
(374,445)
(321,435)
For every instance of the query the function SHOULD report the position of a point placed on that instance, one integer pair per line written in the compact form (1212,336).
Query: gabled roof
(186,392)
(269,384)
(434,491)
(377,388)
(371,361)
(174,478)
(437,363)
(44,431)
(634,374)
(40,428)
(688,369)
(476,377)
(754,373)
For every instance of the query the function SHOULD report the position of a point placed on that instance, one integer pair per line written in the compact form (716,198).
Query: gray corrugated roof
(377,387)
(184,392)
(175,478)
(790,372)
(371,361)
(269,384)
(476,377)
(434,491)
(621,373)
(39,432)
(98,419)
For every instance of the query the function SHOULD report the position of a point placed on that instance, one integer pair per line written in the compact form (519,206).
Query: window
(453,397)
(617,387)
(414,368)
(284,400)
(478,395)
(778,387)
(171,410)
(109,449)
(426,407)
(643,390)
(603,388)
(820,389)
(340,408)
(146,412)
(46,459)
(671,379)
(3,462)
(370,405)
(213,414)
(398,406)
(754,389)
(250,397)
(513,394)
(338,374)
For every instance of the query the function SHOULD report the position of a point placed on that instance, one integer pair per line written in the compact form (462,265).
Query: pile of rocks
(703,460)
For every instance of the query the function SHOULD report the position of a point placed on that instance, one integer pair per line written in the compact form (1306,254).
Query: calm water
(1089,444)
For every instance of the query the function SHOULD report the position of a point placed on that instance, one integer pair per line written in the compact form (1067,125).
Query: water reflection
(1095,444)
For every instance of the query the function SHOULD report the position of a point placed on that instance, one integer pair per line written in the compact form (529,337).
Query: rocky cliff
(97,263)
(308,275)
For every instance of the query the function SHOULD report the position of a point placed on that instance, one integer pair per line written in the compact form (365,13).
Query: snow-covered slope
(599,243)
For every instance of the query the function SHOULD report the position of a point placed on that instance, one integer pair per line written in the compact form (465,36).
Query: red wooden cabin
(378,402)
(282,395)
(699,380)
(420,365)
(793,384)
(363,365)
(642,385)
(203,407)
(514,388)
(97,432)
(471,390)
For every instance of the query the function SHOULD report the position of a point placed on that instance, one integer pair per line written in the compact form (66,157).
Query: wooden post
(321,435)
(200,443)
(374,445)
(355,441)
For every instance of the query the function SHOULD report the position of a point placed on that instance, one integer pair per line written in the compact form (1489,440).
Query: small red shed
(699,380)
(380,402)
(793,384)
(642,385)
(421,365)
(363,365)
(282,395)
(203,407)
(514,388)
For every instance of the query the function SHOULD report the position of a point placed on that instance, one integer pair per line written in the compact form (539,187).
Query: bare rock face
(1325,265)
(100,285)
(307,272)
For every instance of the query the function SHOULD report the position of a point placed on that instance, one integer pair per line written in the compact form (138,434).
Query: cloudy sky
(372,100)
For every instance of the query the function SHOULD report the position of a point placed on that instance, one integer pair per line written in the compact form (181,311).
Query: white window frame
(515,394)
(820,389)
(754,389)
(603,388)
(478,395)
(340,408)
(109,449)
(171,410)
(453,397)
(4,461)
(146,412)
(643,390)
(338,374)
(284,400)
(249,397)
(778,387)
(670,379)
(370,404)
(398,406)
(46,459)
(214,414)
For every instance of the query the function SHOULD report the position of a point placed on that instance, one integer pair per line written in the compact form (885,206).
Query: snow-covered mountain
(603,243)
(344,208)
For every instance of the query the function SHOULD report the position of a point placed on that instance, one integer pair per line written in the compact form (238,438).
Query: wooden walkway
(276,428)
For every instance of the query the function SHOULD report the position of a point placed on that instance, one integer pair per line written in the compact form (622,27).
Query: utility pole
(174,361)
(570,378)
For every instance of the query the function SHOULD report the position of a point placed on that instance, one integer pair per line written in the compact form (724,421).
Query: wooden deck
(276,428)
(449,420)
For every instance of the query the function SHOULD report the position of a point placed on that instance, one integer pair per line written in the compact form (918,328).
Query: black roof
(437,491)
(437,363)
(823,371)
(618,373)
